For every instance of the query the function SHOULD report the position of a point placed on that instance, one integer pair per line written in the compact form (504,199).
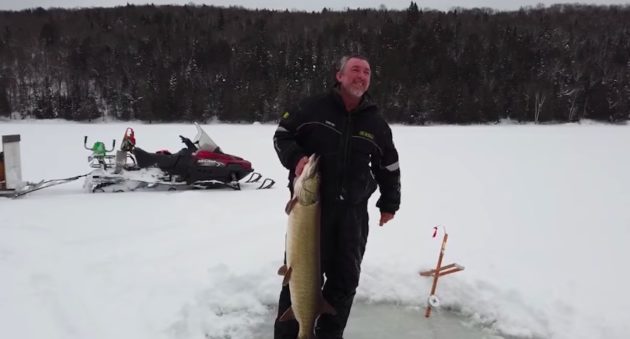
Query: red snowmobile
(201,164)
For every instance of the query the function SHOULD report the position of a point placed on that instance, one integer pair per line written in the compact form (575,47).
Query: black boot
(332,326)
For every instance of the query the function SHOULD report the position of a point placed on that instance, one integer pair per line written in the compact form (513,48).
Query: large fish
(302,269)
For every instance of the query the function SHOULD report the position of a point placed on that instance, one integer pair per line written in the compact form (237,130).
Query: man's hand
(385,217)
(300,166)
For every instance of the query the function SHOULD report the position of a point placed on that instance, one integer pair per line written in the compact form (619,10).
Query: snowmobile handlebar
(189,144)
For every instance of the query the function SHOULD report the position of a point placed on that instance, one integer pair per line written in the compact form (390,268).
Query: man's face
(355,77)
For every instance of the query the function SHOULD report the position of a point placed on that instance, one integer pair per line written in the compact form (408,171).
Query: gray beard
(356,92)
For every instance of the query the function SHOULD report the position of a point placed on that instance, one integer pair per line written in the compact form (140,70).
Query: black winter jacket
(356,149)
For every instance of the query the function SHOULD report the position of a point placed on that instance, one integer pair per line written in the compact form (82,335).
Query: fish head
(306,188)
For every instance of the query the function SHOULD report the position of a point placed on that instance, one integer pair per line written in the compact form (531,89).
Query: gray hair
(344,60)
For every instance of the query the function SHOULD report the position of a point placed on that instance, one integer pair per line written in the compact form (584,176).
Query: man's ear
(338,76)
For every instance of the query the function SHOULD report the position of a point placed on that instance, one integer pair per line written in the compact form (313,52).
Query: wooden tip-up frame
(439,271)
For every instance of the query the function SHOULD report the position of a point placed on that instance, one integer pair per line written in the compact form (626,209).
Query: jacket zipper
(344,158)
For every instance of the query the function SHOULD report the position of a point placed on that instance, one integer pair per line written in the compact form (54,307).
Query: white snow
(538,215)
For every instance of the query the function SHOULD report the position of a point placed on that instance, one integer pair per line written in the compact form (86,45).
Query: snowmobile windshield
(204,142)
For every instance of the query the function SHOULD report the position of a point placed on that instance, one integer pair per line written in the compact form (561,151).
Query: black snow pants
(344,232)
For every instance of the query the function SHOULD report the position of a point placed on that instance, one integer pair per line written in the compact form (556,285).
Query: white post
(12,161)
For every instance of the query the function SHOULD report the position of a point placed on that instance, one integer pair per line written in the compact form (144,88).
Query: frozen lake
(536,214)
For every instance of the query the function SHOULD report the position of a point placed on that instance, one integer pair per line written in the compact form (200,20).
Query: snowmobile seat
(178,163)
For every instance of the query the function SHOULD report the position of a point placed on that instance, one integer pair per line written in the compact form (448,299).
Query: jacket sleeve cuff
(389,208)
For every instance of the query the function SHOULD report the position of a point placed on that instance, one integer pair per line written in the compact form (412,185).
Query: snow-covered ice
(538,215)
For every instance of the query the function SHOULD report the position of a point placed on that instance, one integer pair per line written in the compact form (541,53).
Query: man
(356,153)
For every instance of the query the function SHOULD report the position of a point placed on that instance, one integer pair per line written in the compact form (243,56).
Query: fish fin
(282,270)
(325,307)
(287,315)
(290,205)
(287,276)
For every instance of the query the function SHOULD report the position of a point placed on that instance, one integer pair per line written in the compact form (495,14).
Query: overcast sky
(312,5)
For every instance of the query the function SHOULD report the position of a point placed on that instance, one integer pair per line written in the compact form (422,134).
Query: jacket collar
(366,100)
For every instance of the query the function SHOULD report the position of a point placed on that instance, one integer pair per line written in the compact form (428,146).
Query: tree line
(184,63)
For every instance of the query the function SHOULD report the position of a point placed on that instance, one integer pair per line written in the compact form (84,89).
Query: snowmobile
(201,164)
